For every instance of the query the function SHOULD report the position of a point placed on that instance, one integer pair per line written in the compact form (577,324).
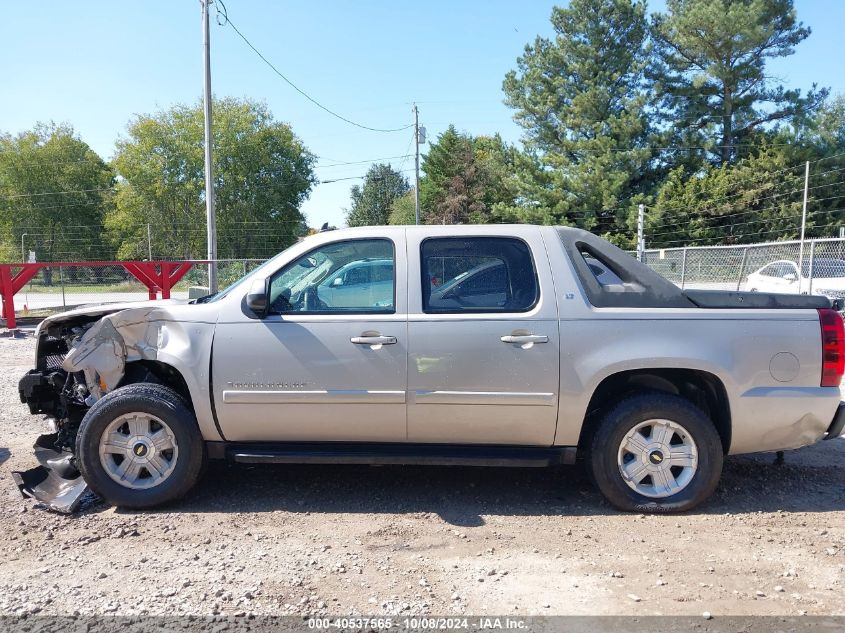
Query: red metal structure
(156,276)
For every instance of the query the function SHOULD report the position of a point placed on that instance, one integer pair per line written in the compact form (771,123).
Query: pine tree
(711,69)
(581,99)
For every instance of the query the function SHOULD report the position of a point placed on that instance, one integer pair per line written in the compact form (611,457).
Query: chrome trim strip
(332,396)
(486,397)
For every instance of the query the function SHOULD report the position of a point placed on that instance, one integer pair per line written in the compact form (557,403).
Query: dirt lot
(362,540)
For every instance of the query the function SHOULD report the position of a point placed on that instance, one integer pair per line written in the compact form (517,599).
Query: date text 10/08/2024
(419,623)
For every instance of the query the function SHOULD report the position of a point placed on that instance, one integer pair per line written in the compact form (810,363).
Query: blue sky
(94,64)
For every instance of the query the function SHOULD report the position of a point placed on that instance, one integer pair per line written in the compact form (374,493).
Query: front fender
(149,333)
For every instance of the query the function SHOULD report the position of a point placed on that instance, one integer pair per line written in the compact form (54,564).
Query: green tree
(372,202)
(404,210)
(56,189)
(823,135)
(262,171)
(757,199)
(711,68)
(581,100)
(465,178)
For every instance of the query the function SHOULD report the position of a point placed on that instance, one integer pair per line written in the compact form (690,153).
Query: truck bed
(734,299)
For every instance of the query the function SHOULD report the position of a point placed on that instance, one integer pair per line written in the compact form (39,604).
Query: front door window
(350,277)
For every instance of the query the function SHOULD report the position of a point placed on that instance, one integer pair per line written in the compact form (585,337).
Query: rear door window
(479,274)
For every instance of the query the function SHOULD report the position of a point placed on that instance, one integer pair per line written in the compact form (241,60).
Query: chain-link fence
(166,241)
(768,267)
(61,287)
(784,267)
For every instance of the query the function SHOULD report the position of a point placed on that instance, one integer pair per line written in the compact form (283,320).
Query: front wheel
(139,446)
(656,452)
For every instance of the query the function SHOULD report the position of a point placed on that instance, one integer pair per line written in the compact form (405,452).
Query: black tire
(605,444)
(163,403)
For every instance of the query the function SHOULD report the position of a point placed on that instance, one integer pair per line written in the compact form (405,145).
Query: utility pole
(149,243)
(417,163)
(803,226)
(211,226)
(641,232)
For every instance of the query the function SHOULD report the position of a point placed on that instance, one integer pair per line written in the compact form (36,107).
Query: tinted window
(479,274)
(381,272)
(823,267)
(342,277)
(357,275)
(601,271)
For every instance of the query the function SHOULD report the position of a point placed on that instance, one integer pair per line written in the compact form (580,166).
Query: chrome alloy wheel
(657,458)
(138,451)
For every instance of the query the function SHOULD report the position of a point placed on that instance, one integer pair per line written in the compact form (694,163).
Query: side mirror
(790,277)
(256,297)
(338,281)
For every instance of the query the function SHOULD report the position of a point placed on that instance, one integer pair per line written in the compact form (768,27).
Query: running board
(388,454)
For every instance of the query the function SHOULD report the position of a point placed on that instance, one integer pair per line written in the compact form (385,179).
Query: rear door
(483,341)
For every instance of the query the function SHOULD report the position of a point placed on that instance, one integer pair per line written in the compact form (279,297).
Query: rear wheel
(139,446)
(656,452)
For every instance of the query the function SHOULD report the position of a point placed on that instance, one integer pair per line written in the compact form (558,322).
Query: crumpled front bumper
(55,482)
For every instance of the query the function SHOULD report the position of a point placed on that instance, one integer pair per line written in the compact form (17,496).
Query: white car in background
(367,280)
(782,277)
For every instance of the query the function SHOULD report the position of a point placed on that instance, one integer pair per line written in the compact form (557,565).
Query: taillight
(833,347)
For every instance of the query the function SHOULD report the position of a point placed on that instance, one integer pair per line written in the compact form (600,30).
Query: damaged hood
(123,334)
(103,309)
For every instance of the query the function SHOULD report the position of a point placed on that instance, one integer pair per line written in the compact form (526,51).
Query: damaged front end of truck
(80,356)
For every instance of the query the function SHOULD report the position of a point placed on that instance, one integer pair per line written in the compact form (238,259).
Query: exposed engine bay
(62,395)
(78,360)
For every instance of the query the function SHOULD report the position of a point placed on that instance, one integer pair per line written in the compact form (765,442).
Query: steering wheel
(282,303)
(311,301)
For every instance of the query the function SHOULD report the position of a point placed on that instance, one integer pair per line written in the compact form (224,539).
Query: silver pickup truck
(488,345)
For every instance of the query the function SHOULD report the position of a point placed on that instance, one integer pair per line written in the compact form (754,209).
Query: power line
(752,198)
(326,182)
(361,162)
(715,215)
(699,220)
(294,86)
(54,193)
(407,152)
(740,235)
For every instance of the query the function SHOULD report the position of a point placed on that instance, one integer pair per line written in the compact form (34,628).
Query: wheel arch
(159,373)
(702,388)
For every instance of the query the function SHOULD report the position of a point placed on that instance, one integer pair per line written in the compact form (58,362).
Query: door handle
(373,340)
(522,339)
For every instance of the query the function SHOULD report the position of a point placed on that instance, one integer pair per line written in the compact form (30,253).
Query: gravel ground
(411,540)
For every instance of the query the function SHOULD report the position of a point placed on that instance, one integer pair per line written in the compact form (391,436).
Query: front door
(329,361)
(483,364)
